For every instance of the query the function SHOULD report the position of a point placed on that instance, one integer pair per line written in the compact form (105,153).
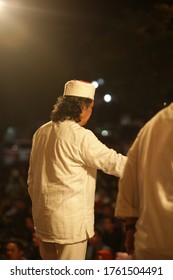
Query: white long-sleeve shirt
(146,188)
(62,178)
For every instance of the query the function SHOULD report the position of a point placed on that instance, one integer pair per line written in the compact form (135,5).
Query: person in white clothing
(145,196)
(64,161)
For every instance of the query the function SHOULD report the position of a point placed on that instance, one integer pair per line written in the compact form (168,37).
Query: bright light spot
(99,82)
(95,84)
(1,4)
(107,98)
(105,133)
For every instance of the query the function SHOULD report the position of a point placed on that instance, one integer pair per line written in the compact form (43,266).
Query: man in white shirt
(145,197)
(62,174)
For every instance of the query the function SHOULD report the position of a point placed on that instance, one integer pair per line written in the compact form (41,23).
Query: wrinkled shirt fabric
(146,188)
(62,179)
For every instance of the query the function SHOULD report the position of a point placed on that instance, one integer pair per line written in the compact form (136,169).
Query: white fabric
(79,89)
(54,251)
(146,188)
(62,176)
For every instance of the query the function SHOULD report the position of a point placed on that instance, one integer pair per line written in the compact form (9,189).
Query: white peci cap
(79,88)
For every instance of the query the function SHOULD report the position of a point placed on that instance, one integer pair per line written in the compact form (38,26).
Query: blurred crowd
(17,236)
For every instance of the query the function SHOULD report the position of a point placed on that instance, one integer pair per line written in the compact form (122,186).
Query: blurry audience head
(14,250)
(108,224)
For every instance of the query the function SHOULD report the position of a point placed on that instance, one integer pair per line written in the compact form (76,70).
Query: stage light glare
(1,4)
(95,84)
(107,98)
(105,133)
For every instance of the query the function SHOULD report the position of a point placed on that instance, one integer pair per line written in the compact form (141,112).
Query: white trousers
(55,251)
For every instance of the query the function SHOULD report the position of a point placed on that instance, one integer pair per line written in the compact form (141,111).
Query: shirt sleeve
(127,203)
(97,155)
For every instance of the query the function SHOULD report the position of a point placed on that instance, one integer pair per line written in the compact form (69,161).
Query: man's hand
(129,241)
(130,231)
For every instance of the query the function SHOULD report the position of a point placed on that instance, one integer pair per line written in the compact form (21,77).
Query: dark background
(45,43)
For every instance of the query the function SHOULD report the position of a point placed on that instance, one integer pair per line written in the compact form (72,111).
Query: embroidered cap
(79,88)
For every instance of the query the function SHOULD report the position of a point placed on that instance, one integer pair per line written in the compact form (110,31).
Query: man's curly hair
(69,108)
